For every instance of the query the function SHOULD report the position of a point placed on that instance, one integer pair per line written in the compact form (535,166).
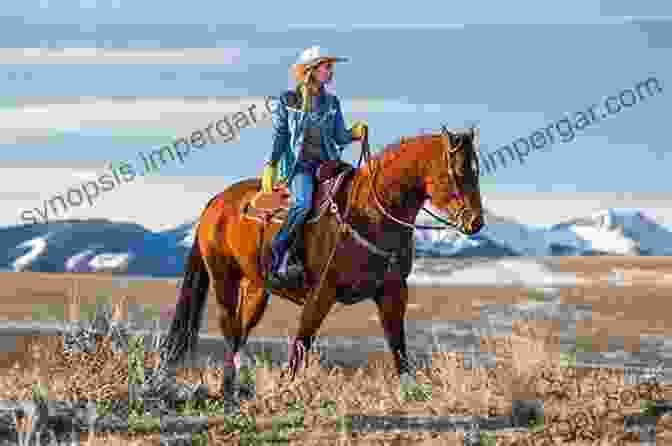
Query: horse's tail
(183,334)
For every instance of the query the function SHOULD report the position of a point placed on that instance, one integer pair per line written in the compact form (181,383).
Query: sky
(86,83)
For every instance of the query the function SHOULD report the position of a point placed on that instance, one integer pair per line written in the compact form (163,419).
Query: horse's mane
(391,151)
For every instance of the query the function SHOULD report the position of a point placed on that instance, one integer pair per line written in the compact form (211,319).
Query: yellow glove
(359,129)
(269,177)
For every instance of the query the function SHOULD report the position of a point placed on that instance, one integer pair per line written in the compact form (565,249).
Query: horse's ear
(446,132)
(475,136)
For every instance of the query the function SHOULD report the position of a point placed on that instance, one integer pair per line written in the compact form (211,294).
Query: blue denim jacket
(289,123)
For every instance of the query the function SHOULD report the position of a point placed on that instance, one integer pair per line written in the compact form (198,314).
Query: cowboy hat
(313,56)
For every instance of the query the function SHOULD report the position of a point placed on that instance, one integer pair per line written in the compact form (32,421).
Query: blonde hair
(303,83)
(299,71)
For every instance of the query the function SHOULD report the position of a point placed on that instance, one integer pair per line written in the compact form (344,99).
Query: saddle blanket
(272,206)
(269,206)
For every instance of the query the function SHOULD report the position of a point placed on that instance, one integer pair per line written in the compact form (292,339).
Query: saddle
(266,207)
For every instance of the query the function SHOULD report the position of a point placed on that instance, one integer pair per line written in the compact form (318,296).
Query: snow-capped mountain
(608,232)
(93,246)
(103,245)
(621,231)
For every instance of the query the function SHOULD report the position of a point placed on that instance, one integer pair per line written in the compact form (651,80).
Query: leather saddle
(273,206)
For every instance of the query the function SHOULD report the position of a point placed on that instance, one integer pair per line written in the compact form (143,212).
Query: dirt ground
(638,308)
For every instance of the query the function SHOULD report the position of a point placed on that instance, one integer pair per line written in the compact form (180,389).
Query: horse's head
(452,178)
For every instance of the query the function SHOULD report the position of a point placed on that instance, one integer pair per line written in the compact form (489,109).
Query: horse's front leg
(313,313)
(391,300)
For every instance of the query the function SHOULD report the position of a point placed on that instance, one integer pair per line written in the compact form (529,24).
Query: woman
(308,130)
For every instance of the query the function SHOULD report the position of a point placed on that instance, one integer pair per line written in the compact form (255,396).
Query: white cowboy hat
(314,55)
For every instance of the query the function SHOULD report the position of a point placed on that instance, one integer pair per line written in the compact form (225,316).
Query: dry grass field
(581,406)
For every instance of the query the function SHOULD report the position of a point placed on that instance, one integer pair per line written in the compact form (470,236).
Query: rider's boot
(295,266)
(287,271)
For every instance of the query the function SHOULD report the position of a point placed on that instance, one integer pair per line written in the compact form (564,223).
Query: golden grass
(580,405)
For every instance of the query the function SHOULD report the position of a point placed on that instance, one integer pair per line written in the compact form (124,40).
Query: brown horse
(357,245)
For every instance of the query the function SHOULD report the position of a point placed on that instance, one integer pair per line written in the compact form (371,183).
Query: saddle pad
(262,217)
(264,204)
(277,203)
(278,199)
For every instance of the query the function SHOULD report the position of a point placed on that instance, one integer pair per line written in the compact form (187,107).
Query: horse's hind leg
(226,280)
(391,300)
(253,302)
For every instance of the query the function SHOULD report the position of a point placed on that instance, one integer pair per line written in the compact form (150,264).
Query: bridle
(391,257)
(458,214)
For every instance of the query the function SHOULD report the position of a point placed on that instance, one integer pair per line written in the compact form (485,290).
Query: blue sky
(511,67)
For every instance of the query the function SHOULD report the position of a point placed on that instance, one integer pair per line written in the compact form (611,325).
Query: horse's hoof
(297,356)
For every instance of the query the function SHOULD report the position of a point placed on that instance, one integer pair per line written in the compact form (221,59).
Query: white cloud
(42,122)
(117,113)
(553,207)
(125,117)
(378,105)
(179,56)
(86,175)
(134,201)
(39,179)
(66,164)
(345,27)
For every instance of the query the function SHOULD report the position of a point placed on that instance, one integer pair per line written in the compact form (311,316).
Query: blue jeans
(302,187)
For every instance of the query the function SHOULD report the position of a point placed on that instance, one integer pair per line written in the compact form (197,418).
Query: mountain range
(100,245)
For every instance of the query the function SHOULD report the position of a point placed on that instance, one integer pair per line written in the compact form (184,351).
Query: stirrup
(293,277)
(277,281)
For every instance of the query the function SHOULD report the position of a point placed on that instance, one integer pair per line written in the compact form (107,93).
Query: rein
(391,257)
(366,150)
